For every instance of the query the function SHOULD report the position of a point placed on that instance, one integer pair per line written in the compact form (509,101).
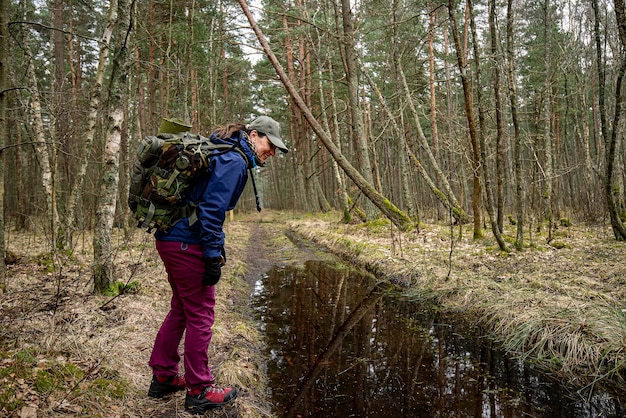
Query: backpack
(164,170)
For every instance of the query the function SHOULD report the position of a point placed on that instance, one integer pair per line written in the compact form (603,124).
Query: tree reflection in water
(342,345)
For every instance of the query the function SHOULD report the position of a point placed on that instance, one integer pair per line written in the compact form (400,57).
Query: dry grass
(562,309)
(64,351)
(51,321)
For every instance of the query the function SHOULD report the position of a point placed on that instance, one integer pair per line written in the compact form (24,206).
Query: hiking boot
(164,385)
(210,397)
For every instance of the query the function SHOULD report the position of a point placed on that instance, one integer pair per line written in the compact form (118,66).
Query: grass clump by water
(559,307)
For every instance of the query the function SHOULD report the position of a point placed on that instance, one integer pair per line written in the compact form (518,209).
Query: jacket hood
(238,139)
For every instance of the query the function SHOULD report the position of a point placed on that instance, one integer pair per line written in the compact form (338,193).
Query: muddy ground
(65,352)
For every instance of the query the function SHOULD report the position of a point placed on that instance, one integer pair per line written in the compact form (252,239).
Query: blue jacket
(215,193)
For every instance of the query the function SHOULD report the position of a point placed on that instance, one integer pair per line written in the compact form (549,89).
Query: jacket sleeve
(221,193)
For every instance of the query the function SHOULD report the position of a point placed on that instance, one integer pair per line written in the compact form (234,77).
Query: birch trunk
(103,267)
(92,116)
(43,149)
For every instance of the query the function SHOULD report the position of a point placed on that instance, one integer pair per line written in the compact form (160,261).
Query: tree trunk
(357,129)
(409,199)
(431,82)
(44,150)
(481,136)
(60,98)
(92,119)
(4,90)
(298,136)
(397,217)
(341,189)
(548,192)
(613,143)
(511,76)
(103,267)
(471,125)
(500,137)
(444,194)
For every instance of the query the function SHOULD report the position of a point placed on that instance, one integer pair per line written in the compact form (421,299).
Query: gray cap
(271,128)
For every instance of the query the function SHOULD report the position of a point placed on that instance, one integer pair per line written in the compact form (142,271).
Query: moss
(346,216)
(111,387)
(377,225)
(121,288)
(403,222)
(558,244)
(40,372)
(8,399)
(44,381)
(351,245)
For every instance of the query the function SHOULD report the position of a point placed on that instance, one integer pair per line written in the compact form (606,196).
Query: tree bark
(4,89)
(298,136)
(471,125)
(92,119)
(397,217)
(43,149)
(103,267)
(342,191)
(409,199)
(357,129)
(548,192)
(60,98)
(500,136)
(511,76)
(613,142)
(484,162)
(433,96)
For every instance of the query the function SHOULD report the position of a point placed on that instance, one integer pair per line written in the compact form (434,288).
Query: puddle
(340,345)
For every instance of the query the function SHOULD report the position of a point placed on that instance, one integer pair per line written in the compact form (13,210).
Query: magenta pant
(192,309)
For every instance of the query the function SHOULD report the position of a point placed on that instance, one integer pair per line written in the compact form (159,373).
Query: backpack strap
(189,210)
(256,193)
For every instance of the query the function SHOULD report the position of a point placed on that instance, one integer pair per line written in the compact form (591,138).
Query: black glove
(212,271)
(223,255)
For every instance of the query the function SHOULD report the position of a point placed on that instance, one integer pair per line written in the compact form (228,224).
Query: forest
(477,112)
(484,115)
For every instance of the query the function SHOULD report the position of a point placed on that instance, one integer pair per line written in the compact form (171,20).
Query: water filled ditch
(341,345)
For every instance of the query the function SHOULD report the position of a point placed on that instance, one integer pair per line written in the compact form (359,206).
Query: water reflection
(341,345)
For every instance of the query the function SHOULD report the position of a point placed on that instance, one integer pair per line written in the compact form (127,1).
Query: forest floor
(66,352)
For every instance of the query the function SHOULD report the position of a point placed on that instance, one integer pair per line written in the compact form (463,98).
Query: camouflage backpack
(165,167)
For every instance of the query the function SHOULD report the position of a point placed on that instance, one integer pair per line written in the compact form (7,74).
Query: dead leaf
(28,412)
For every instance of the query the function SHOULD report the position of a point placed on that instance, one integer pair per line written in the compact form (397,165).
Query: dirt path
(268,244)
